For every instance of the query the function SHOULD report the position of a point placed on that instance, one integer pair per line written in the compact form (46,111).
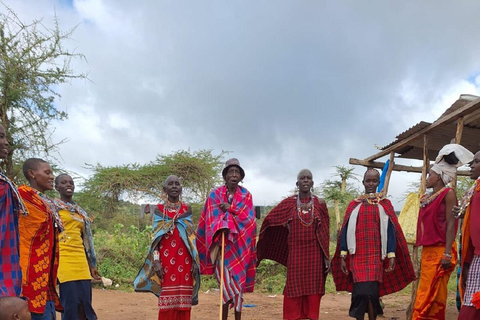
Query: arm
(343,249)
(450,201)
(391,246)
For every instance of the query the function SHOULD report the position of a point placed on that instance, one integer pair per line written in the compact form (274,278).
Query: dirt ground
(117,305)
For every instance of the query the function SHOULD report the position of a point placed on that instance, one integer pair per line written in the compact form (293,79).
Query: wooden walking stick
(222,262)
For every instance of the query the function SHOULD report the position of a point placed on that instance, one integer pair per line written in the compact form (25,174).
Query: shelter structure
(460,123)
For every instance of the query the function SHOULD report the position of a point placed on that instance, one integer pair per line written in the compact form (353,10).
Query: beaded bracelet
(447,256)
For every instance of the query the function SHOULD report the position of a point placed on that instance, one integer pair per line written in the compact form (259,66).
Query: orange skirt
(430,302)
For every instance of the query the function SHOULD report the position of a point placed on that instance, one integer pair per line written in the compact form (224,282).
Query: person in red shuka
(372,257)
(295,234)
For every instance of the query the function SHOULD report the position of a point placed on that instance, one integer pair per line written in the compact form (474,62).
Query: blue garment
(48,314)
(383,176)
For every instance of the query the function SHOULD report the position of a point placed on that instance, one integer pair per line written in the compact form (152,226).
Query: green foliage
(121,253)
(33,62)
(271,277)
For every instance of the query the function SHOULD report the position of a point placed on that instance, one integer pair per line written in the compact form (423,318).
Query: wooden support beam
(460,112)
(458,139)
(396,167)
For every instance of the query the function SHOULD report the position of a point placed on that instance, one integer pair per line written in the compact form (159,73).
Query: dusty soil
(117,305)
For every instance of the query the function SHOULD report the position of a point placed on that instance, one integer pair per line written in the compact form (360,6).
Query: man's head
(304,181)
(14,308)
(475,166)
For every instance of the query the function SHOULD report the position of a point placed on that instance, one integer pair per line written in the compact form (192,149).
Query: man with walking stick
(226,239)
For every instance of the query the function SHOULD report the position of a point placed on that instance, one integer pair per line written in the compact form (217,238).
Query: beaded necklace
(467,197)
(170,206)
(426,199)
(305,210)
(372,198)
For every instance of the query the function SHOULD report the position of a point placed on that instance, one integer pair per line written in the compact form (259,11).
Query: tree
(33,62)
(199,171)
(339,192)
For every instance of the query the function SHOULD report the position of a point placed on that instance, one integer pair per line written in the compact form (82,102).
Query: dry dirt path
(117,305)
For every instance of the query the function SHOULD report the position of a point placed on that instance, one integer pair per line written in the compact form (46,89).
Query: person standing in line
(229,210)
(39,241)
(295,233)
(372,258)
(170,270)
(11,207)
(77,255)
(436,230)
(470,260)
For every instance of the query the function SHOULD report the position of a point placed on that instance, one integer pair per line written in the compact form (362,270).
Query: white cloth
(352,228)
(448,171)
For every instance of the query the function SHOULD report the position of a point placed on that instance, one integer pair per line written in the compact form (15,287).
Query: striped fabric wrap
(146,279)
(239,222)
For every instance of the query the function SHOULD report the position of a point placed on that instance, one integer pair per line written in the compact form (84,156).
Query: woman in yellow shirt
(77,255)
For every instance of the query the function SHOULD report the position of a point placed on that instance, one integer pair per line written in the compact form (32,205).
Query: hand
(157,266)
(224,206)
(327,264)
(445,263)
(456,212)
(391,265)
(95,274)
(343,266)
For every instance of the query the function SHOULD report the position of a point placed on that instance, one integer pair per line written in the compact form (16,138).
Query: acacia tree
(340,191)
(33,62)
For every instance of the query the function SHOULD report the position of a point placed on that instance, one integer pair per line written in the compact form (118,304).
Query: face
(65,186)
(22,311)
(233,176)
(371,181)
(304,181)
(475,166)
(43,177)
(173,188)
(432,178)
(3,143)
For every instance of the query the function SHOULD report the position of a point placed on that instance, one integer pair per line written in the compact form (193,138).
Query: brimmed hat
(230,163)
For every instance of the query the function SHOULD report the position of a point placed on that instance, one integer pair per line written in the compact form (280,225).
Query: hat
(232,162)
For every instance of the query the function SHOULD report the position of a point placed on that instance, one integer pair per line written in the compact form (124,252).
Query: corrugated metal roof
(441,135)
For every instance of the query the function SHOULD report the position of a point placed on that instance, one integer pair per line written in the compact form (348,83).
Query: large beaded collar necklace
(428,198)
(372,198)
(305,211)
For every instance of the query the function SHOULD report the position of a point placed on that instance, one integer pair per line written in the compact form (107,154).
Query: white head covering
(444,169)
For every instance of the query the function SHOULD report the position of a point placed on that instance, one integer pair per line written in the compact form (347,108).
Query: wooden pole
(458,139)
(391,164)
(416,266)
(222,262)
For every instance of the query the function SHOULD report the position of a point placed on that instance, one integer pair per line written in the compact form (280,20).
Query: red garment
(300,248)
(177,284)
(304,307)
(469,313)
(174,314)
(432,222)
(391,282)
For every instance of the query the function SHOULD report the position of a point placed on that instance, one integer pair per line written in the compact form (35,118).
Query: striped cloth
(391,282)
(239,222)
(473,281)
(10,208)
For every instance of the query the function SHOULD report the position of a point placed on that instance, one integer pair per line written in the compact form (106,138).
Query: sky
(282,85)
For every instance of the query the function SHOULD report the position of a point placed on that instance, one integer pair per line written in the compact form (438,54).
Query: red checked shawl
(301,250)
(239,220)
(391,282)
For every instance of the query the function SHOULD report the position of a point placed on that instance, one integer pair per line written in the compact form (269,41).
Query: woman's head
(371,180)
(434,179)
(39,174)
(65,186)
(475,166)
(304,181)
(3,143)
(172,188)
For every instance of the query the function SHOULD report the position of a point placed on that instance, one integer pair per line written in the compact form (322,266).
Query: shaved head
(14,308)
(372,170)
(304,171)
(31,164)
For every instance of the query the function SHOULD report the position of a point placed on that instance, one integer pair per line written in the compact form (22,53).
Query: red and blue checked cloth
(392,281)
(299,247)
(239,221)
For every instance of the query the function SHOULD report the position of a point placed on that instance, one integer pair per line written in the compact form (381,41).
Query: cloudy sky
(283,85)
